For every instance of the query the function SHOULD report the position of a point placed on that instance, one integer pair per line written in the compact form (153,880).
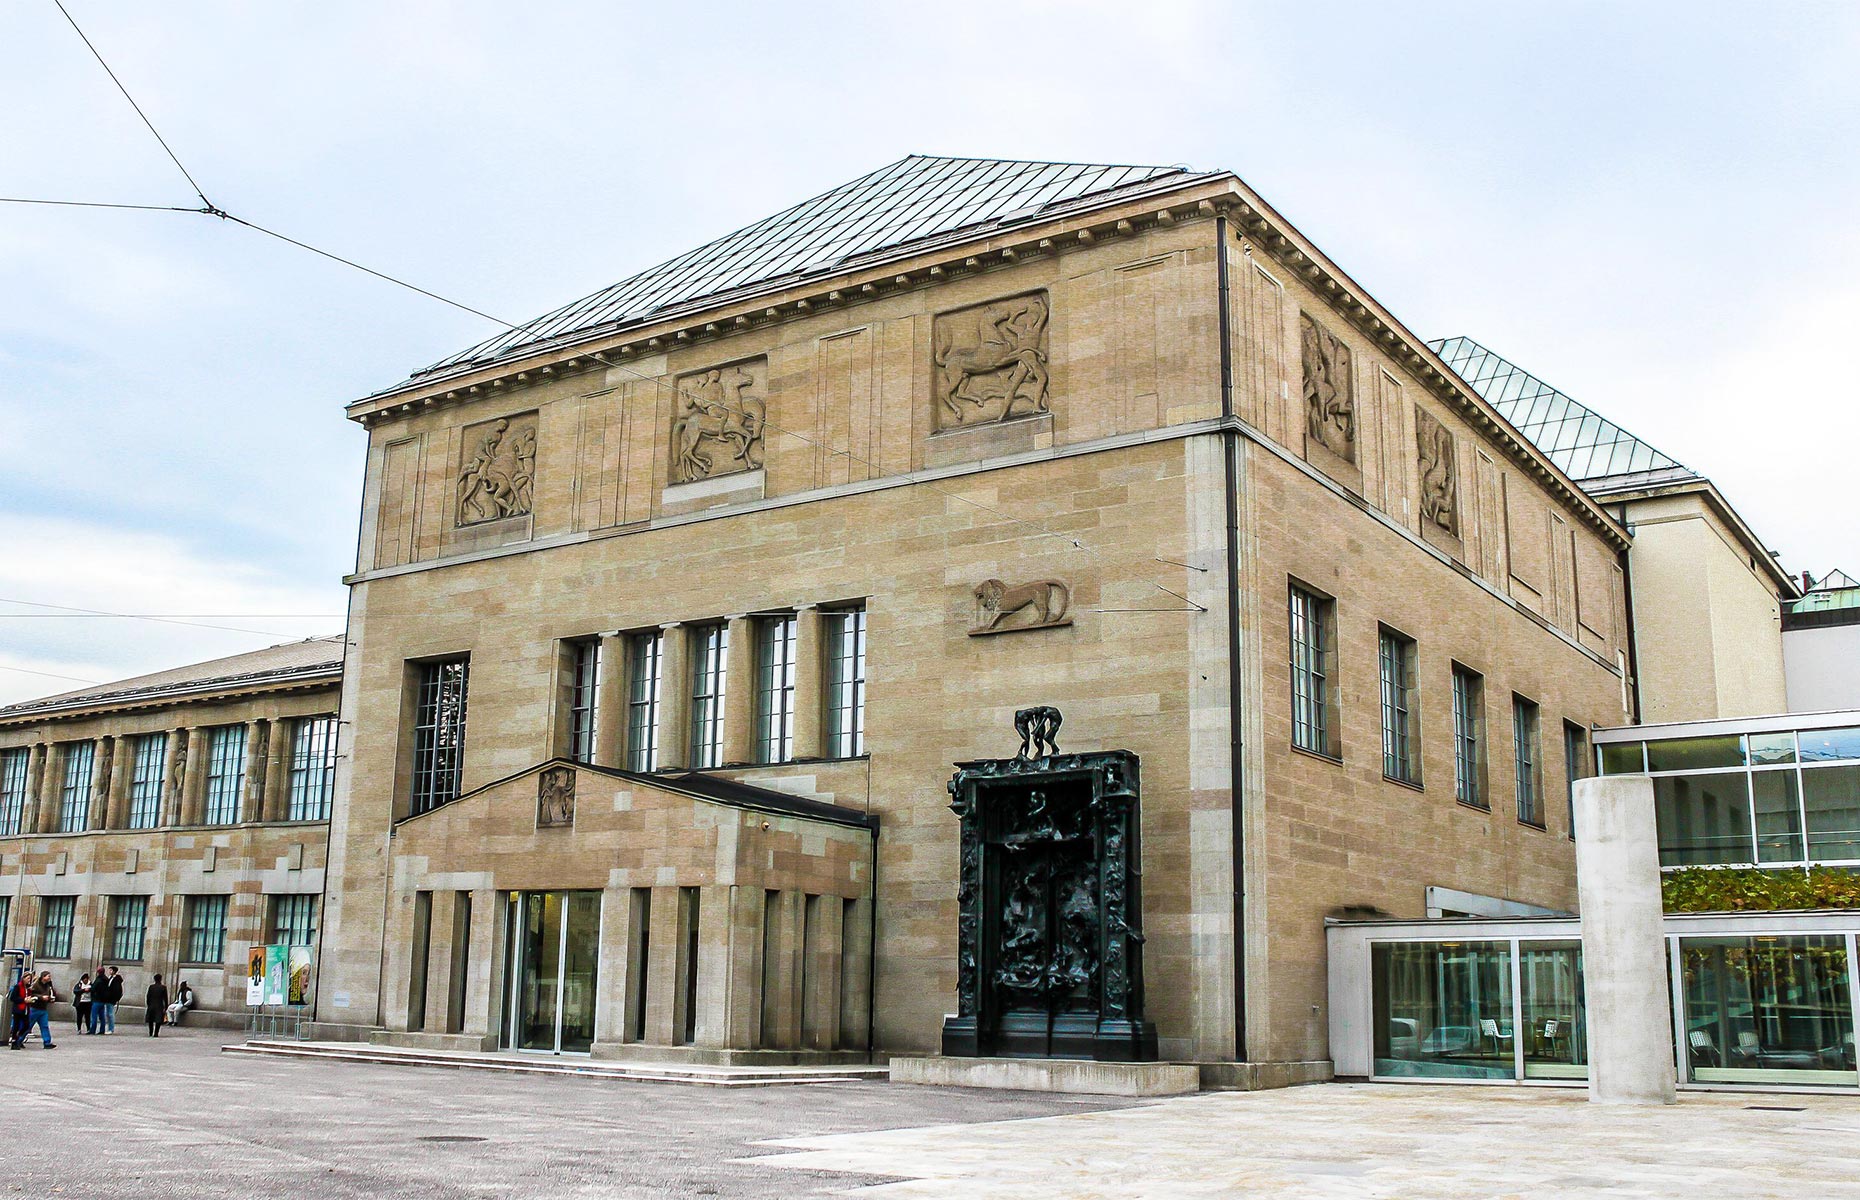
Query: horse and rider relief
(718,428)
(991,362)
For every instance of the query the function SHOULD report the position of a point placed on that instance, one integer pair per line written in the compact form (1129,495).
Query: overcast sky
(1650,206)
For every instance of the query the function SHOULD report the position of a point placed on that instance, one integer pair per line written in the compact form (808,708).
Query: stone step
(521,1064)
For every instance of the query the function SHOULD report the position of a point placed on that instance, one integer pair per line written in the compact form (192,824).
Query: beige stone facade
(1149,416)
(168,822)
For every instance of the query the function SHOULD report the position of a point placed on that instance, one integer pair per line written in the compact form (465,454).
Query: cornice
(204,693)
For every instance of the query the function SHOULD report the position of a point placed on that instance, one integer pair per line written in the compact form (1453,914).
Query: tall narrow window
(642,701)
(206,930)
(129,922)
(313,768)
(1312,637)
(74,791)
(225,773)
(710,653)
(150,751)
(775,689)
(1469,737)
(13,775)
(293,920)
(1530,786)
(55,929)
(1575,765)
(584,690)
(6,915)
(845,682)
(1401,759)
(439,734)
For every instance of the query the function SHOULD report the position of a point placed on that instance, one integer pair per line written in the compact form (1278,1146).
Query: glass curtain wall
(1768,1009)
(1444,1010)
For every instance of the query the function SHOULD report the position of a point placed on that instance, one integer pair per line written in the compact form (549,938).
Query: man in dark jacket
(157,1006)
(105,995)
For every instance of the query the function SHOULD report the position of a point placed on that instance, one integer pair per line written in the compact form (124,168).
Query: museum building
(162,824)
(676,610)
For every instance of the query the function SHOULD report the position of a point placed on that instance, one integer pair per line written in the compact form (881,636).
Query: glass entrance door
(552,975)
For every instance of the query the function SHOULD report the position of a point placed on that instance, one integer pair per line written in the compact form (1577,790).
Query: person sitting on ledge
(183,1000)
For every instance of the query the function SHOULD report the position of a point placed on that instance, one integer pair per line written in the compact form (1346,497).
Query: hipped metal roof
(1586,445)
(278,664)
(915,199)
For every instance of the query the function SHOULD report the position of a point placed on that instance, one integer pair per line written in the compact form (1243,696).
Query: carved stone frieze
(1440,480)
(1330,397)
(718,419)
(999,608)
(555,797)
(498,476)
(991,361)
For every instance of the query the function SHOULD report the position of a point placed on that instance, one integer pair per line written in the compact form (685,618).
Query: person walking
(80,1002)
(19,1003)
(157,1006)
(43,997)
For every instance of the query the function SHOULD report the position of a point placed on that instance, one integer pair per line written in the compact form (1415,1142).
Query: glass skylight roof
(1586,446)
(911,200)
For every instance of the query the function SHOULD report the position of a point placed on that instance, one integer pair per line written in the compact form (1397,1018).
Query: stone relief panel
(718,420)
(498,477)
(999,608)
(991,361)
(555,797)
(1440,475)
(1330,400)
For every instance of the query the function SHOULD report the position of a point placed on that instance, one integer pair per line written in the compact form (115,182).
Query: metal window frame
(225,767)
(1527,753)
(1396,654)
(776,640)
(846,689)
(74,795)
(119,907)
(313,769)
(294,918)
(644,689)
(584,698)
(710,679)
(148,770)
(1309,617)
(439,733)
(15,772)
(67,906)
(1469,738)
(197,930)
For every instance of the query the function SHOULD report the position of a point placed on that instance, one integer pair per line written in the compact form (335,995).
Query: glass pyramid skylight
(1586,446)
(911,200)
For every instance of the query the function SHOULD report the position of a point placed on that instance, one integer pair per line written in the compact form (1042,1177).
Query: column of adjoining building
(739,694)
(809,675)
(1624,966)
(173,777)
(51,790)
(122,772)
(610,701)
(194,796)
(252,786)
(275,797)
(674,696)
(102,777)
(35,781)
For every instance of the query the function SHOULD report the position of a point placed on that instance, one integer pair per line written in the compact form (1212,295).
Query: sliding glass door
(551,973)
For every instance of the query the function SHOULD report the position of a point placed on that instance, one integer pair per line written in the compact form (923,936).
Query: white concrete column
(1623,943)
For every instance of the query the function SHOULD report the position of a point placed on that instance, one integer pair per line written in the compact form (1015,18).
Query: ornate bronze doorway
(1050,936)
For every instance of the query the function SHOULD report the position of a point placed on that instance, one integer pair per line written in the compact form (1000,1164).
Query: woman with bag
(80,1001)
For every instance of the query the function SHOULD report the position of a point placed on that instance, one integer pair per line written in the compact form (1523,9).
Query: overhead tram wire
(49,675)
(98,612)
(210,209)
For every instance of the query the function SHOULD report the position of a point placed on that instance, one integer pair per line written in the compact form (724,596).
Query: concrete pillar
(810,699)
(739,694)
(484,973)
(613,971)
(675,697)
(665,949)
(730,970)
(855,973)
(252,783)
(439,961)
(173,777)
(610,707)
(273,792)
(821,956)
(1623,947)
(782,972)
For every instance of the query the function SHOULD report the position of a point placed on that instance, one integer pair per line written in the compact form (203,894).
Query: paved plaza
(126,1116)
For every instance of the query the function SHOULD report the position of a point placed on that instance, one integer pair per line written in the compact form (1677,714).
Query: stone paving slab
(1365,1140)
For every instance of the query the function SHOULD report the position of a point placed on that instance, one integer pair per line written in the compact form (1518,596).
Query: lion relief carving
(1041,604)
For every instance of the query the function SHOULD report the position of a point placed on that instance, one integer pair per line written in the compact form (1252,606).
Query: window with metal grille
(1524,736)
(129,921)
(439,734)
(642,701)
(845,682)
(149,753)
(1575,766)
(206,930)
(775,641)
(74,794)
(225,773)
(293,920)
(55,927)
(1469,737)
(1400,743)
(584,697)
(710,652)
(1312,637)
(13,773)
(313,769)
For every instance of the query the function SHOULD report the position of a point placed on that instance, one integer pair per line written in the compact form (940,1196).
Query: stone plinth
(1050,1075)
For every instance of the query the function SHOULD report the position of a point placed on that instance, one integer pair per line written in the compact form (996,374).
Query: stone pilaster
(613,968)
(31,810)
(610,702)
(822,956)
(252,782)
(102,776)
(730,967)
(440,954)
(739,694)
(674,697)
(484,970)
(664,978)
(274,792)
(855,973)
(810,698)
(194,795)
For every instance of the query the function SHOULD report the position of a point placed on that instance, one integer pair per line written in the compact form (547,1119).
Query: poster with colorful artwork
(298,992)
(277,967)
(255,977)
